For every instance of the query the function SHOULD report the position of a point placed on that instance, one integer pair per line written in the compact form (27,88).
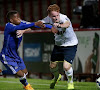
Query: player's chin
(18,22)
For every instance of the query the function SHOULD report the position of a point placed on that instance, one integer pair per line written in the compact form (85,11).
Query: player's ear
(11,20)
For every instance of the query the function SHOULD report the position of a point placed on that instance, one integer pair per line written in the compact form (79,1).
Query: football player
(65,44)
(12,39)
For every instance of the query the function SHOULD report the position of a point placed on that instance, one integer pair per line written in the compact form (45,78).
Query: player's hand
(56,25)
(40,24)
(19,33)
(54,30)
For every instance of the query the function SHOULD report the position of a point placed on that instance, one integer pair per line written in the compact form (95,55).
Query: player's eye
(53,16)
(57,15)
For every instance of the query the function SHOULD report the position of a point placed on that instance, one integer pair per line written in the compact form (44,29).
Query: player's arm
(64,25)
(25,26)
(13,28)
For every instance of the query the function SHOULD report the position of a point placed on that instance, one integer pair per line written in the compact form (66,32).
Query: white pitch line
(32,83)
(38,84)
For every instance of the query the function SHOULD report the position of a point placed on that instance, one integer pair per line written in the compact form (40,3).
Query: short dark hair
(10,13)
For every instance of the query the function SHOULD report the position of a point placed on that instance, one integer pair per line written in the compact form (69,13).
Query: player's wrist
(48,26)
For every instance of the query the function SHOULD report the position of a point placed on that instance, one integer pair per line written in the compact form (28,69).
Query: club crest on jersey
(16,67)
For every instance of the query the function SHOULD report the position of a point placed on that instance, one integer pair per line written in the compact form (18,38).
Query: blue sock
(24,82)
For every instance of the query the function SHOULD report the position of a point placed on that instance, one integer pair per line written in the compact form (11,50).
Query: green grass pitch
(40,84)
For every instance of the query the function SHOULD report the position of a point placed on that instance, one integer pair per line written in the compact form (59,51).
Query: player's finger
(18,33)
(18,36)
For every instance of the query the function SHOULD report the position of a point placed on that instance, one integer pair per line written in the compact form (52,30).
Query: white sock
(69,75)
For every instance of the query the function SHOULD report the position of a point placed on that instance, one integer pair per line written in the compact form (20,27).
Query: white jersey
(68,38)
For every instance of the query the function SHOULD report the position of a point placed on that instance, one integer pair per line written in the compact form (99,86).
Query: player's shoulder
(9,25)
(63,15)
(46,18)
(26,22)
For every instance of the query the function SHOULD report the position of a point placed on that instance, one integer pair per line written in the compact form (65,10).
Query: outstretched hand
(19,33)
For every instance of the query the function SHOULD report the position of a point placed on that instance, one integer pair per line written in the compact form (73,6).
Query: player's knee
(23,77)
(53,65)
(67,67)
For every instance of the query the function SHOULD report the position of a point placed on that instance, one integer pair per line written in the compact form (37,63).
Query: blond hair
(53,7)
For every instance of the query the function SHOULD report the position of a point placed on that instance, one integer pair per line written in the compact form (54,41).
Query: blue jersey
(11,42)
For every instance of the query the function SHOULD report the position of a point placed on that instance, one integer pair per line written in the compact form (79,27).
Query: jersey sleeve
(47,26)
(21,26)
(64,18)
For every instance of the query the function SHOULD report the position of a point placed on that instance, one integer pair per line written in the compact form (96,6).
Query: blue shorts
(13,65)
(61,53)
